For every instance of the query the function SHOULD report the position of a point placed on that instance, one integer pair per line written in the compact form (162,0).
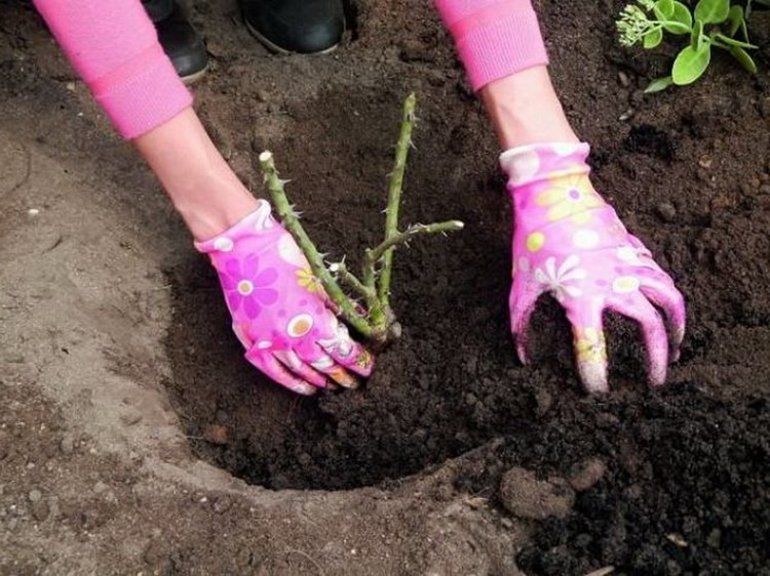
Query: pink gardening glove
(280,312)
(570,243)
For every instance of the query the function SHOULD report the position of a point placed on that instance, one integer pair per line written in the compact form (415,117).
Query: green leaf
(663,9)
(653,38)
(690,64)
(658,84)
(733,42)
(712,11)
(697,38)
(743,57)
(734,19)
(681,15)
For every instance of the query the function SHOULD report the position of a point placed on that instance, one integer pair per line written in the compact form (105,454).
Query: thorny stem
(378,325)
(352,281)
(374,254)
(394,199)
(290,220)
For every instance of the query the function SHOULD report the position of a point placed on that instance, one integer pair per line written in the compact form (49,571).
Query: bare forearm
(524,109)
(201,185)
(504,55)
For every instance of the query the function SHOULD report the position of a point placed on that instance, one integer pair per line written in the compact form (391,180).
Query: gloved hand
(570,243)
(280,311)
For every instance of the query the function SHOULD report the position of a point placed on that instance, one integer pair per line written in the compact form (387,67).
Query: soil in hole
(423,405)
(449,385)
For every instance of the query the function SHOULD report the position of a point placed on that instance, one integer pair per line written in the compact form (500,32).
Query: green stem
(395,187)
(726,42)
(674,24)
(353,282)
(374,254)
(289,219)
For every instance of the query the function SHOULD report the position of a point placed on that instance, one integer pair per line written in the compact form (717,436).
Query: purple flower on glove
(247,286)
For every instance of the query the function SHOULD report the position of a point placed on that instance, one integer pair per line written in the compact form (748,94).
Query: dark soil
(688,474)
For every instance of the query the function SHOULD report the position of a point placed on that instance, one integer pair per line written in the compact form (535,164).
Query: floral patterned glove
(570,243)
(280,312)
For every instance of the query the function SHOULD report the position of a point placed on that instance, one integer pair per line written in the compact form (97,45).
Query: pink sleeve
(494,38)
(114,48)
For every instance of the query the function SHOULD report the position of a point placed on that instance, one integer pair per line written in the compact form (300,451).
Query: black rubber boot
(303,26)
(180,41)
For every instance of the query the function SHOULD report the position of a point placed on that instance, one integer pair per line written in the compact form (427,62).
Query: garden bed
(684,471)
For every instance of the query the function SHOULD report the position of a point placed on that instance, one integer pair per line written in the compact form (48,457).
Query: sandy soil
(116,355)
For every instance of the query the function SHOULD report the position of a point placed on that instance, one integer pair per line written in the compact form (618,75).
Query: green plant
(711,24)
(369,312)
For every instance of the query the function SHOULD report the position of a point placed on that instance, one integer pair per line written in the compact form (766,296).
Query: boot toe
(302,26)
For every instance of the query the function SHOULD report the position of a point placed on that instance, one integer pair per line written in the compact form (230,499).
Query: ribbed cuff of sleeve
(496,39)
(142,94)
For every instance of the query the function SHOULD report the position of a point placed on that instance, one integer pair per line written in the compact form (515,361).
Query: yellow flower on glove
(308,281)
(570,196)
(590,346)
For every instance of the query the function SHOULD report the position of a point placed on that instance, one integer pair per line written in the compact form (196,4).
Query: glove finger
(590,345)
(358,360)
(521,306)
(650,321)
(666,297)
(293,362)
(326,364)
(344,350)
(336,372)
(273,369)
